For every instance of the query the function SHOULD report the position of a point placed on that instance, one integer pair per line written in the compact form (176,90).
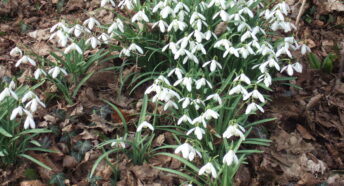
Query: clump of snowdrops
(212,63)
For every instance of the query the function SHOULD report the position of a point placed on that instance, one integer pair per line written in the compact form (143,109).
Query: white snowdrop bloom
(208,35)
(195,46)
(183,42)
(77,30)
(181,6)
(230,158)
(104,37)
(225,16)
(91,22)
(12,85)
(118,143)
(163,79)
(209,114)
(267,14)
(33,104)
(289,69)
(169,104)
(190,56)
(73,47)
(218,3)
(234,130)
(223,43)
(195,16)
(247,11)
(25,60)
(163,26)
(177,25)
(242,77)
(279,15)
(54,72)
(231,50)
(15,52)
(197,131)
(297,67)
(283,6)
(134,47)
(243,26)
(28,96)
(255,94)
(105,2)
(177,71)
(59,25)
(200,119)
(188,152)
(117,25)
(17,111)
(29,122)
(153,88)
(203,6)
(129,4)
(166,11)
(186,81)
(257,30)
(124,52)
(93,41)
(237,18)
(238,89)
(252,107)
(38,72)
(197,20)
(180,52)
(266,78)
(62,38)
(208,169)
(285,26)
(273,63)
(145,124)
(197,103)
(244,52)
(215,97)
(181,15)
(139,17)
(158,6)
(202,82)
(248,34)
(8,92)
(172,46)
(186,102)
(183,119)
(305,49)
(199,36)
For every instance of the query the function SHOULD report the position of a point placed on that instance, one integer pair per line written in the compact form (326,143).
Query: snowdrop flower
(118,143)
(238,89)
(17,111)
(177,25)
(186,102)
(202,82)
(187,151)
(28,96)
(158,6)
(199,36)
(25,60)
(104,37)
(297,67)
(291,67)
(209,113)
(246,11)
(62,38)
(255,94)
(215,97)
(186,81)
(197,131)
(129,4)
(172,46)
(38,73)
(184,119)
(145,124)
(117,25)
(208,35)
(200,119)
(162,25)
(91,22)
(244,78)
(177,71)
(213,64)
(230,158)
(207,169)
(195,16)
(8,92)
(139,17)
(124,52)
(223,43)
(136,48)
(72,47)
(77,30)
(252,107)
(195,46)
(266,78)
(15,52)
(248,34)
(305,49)
(54,72)
(105,2)
(93,41)
(234,130)
(33,104)
(197,102)
(218,3)
(223,14)
(166,11)
(285,26)
(59,26)
(181,6)
(283,6)
(12,85)
(29,122)
(169,104)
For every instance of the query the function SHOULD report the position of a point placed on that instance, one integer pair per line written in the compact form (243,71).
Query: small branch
(300,12)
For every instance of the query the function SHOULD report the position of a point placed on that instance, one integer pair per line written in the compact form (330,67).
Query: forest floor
(307,136)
